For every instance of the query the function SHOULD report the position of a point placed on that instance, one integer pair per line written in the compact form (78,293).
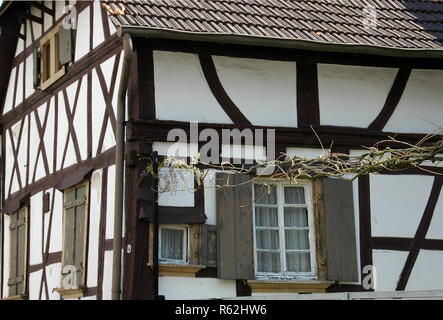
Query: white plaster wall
(35,228)
(35,279)
(175,149)
(426,273)
(110,203)
(181,91)
(107,276)
(19,91)
(352,95)
(183,288)
(397,204)
(420,109)
(388,265)
(29,84)
(36,27)
(47,18)
(98,36)
(56,241)
(59,5)
(210,198)
(94,227)
(81,115)
(53,277)
(308,153)
(181,182)
(263,90)
(435,230)
(10,92)
(83,33)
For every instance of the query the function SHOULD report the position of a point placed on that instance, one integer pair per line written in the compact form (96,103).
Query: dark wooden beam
(41,6)
(308,108)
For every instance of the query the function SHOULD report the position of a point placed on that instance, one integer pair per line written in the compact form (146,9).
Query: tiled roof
(400,24)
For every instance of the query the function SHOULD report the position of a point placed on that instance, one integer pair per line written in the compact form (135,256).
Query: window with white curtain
(173,242)
(284,230)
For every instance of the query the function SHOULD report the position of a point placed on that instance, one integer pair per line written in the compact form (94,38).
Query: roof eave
(136,31)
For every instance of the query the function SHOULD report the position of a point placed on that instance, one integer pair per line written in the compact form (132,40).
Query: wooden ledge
(71,293)
(282,286)
(179,270)
(19,297)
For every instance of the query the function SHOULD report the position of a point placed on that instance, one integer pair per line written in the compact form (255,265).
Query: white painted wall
(426,273)
(388,265)
(397,204)
(263,90)
(420,109)
(352,95)
(181,91)
(183,288)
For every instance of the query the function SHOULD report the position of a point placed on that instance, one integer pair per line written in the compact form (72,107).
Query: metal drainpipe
(154,159)
(119,157)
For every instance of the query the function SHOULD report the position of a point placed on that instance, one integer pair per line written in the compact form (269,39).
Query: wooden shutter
(208,245)
(64,45)
(341,254)
(36,68)
(235,258)
(75,228)
(17,272)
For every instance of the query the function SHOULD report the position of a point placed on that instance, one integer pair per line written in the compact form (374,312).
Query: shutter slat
(234,228)
(341,256)
(68,253)
(21,251)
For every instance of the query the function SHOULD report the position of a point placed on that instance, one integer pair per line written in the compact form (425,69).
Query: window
(283,231)
(54,53)
(173,244)
(18,253)
(75,220)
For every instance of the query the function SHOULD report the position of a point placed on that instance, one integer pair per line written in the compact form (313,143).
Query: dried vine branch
(292,168)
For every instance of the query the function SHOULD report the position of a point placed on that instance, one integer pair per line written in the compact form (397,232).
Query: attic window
(52,56)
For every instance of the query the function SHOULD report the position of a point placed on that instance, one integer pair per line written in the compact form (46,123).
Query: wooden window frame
(186,245)
(309,199)
(23,295)
(76,292)
(53,75)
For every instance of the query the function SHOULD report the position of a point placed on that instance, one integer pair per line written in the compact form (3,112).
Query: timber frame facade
(56,138)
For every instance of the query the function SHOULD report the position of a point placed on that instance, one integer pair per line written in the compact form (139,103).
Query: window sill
(179,270)
(19,297)
(71,293)
(288,286)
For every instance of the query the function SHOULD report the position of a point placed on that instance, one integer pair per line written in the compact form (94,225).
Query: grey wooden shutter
(235,258)
(17,229)
(64,45)
(75,208)
(208,245)
(341,254)
(36,68)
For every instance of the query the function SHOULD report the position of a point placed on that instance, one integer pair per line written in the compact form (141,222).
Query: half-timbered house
(87,87)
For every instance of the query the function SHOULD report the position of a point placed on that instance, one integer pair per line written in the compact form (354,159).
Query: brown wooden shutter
(235,258)
(208,245)
(341,254)
(64,45)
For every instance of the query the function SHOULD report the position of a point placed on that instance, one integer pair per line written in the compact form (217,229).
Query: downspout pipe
(119,169)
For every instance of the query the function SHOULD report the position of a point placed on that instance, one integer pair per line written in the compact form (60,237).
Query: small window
(18,252)
(173,244)
(75,219)
(50,69)
(284,231)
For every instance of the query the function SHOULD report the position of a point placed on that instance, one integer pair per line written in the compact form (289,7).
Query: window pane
(172,244)
(296,217)
(298,261)
(294,195)
(81,192)
(268,262)
(70,195)
(266,217)
(267,239)
(296,239)
(265,194)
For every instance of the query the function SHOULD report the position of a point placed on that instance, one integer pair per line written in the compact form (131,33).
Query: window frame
(84,183)
(309,205)
(25,253)
(186,244)
(51,39)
